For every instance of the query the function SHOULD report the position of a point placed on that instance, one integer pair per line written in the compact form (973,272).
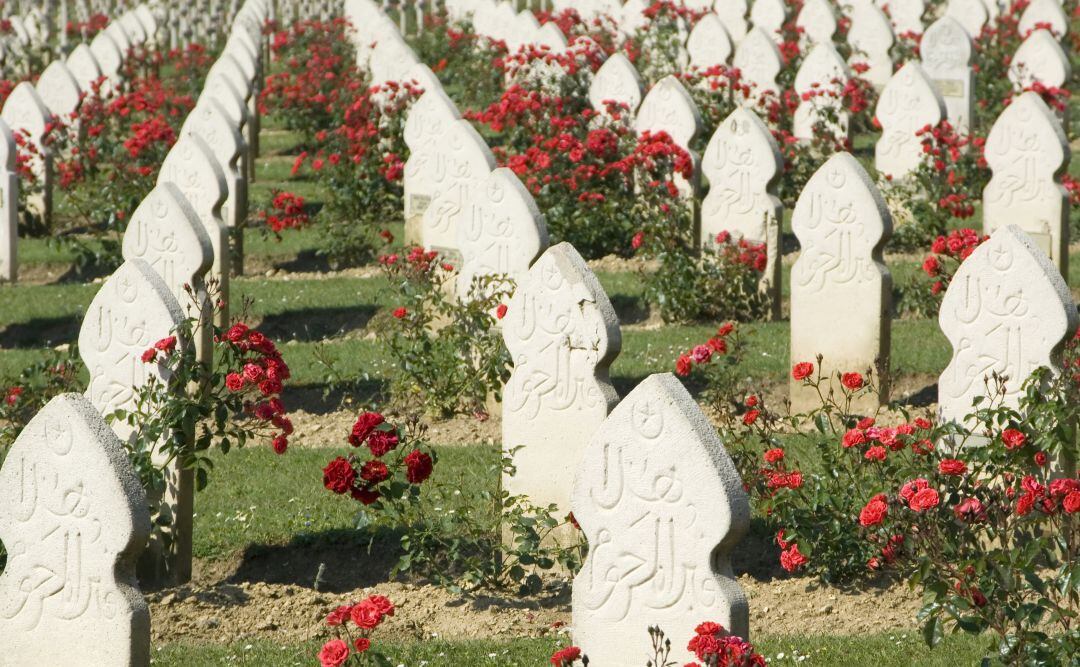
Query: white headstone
(552,37)
(109,58)
(1040,58)
(662,507)
(841,291)
(133,28)
(871,38)
(391,59)
(84,67)
(59,91)
(149,22)
(758,59)
(617,80)
(191,165)
(633,17)
(9,207)
(210,121)
(709,43)
(1007,311)
(946,56)
(466,161)
(28,117)
(669,108)
(743,165)
(74,520)
(907,104)
(906,15)
(1027,151)
(523,30)
(818,22)
(971,14)
(1042,13)
(562,335)
(504,235)
(428,120)
(732,14)
(822,70)
(769,15)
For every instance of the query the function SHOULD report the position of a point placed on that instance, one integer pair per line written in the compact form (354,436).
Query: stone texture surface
(841,290)
(563,335)
(59,90)
(84,66)
(428,120)
(1007,311)
(906,15)
(74,521)
(908,103)
(769,15)
(9,207)
(709,43)
(946,56)
(617,80)
(1027,151)
(822,70)
(732,14)
(871,38)
(1040,58)
(504,235)
(817,19)
(971,14)
(662,506)
(1044,13)
(759,60)
(26,114)
(211,122)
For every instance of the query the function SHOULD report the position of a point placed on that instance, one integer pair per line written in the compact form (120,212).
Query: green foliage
(22,396)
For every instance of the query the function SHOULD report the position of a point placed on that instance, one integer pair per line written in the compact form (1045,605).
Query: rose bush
(353,626)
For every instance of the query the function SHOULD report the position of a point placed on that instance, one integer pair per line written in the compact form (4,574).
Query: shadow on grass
(321,399)
(630,309)
(40,332)
(317,324)
(921,398)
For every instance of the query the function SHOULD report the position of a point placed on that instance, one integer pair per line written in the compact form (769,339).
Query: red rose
(401,312)
(970,510)
(374,471)
(362,644)
(149,355)
(334,653)
(875,453)
(365,496)
(365,425)
(338,616)
(865,423)
(802,370)
(638,240)
(1013,438)
(725,329)
(751,401)
(791,559)
(383,604)
(751,416)
(566,657)
(923,423)
(338,475)
(852,381)
(683,365)
(166,344)
(774,455)
(954,467)
(366,615)
(854,437)
(908,491)
(874,512)
(500,312)
(252,373)
(237,333)
(280,444)
(418,467)
(1072,502)
(924,500)
(234,382)
(1040,458)
(381,442)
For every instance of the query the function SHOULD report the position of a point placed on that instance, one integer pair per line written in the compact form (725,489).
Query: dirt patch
(616,264)
(331,429)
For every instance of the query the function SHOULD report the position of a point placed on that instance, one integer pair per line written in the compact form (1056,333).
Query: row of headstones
(80,521)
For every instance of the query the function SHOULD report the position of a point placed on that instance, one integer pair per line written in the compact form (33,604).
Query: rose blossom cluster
(716,647)
(751,255)
(361,477)
(366,616)
(703,354)
(948,252)
(286,212)
(261,374)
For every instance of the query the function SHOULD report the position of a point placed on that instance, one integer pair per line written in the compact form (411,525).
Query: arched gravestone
(149,23)
(27,116)
(743,165)
(191,165)
(993,10)
(121,38)
(971,14)
(391,59)
(428,119)
(1027,151)
(504,235)
(210,121)
(817,21)
(709,43)
(165,232)
(668,107)
(662,507)
(562,335)
(841,290)
(946,57)
(907,104)
(1040,58)
(59,90)
(552,37)
(633,17)
(9,207)
(468,161)
(822,69)
(1045,13)
(133,310)
(906,15)
(84,67)
(133,28)
(759,60)
(74,520)
(871,38)
(732,13)
(524,30)
(1007,311)
(617,80)
(110,59)
(769,15)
